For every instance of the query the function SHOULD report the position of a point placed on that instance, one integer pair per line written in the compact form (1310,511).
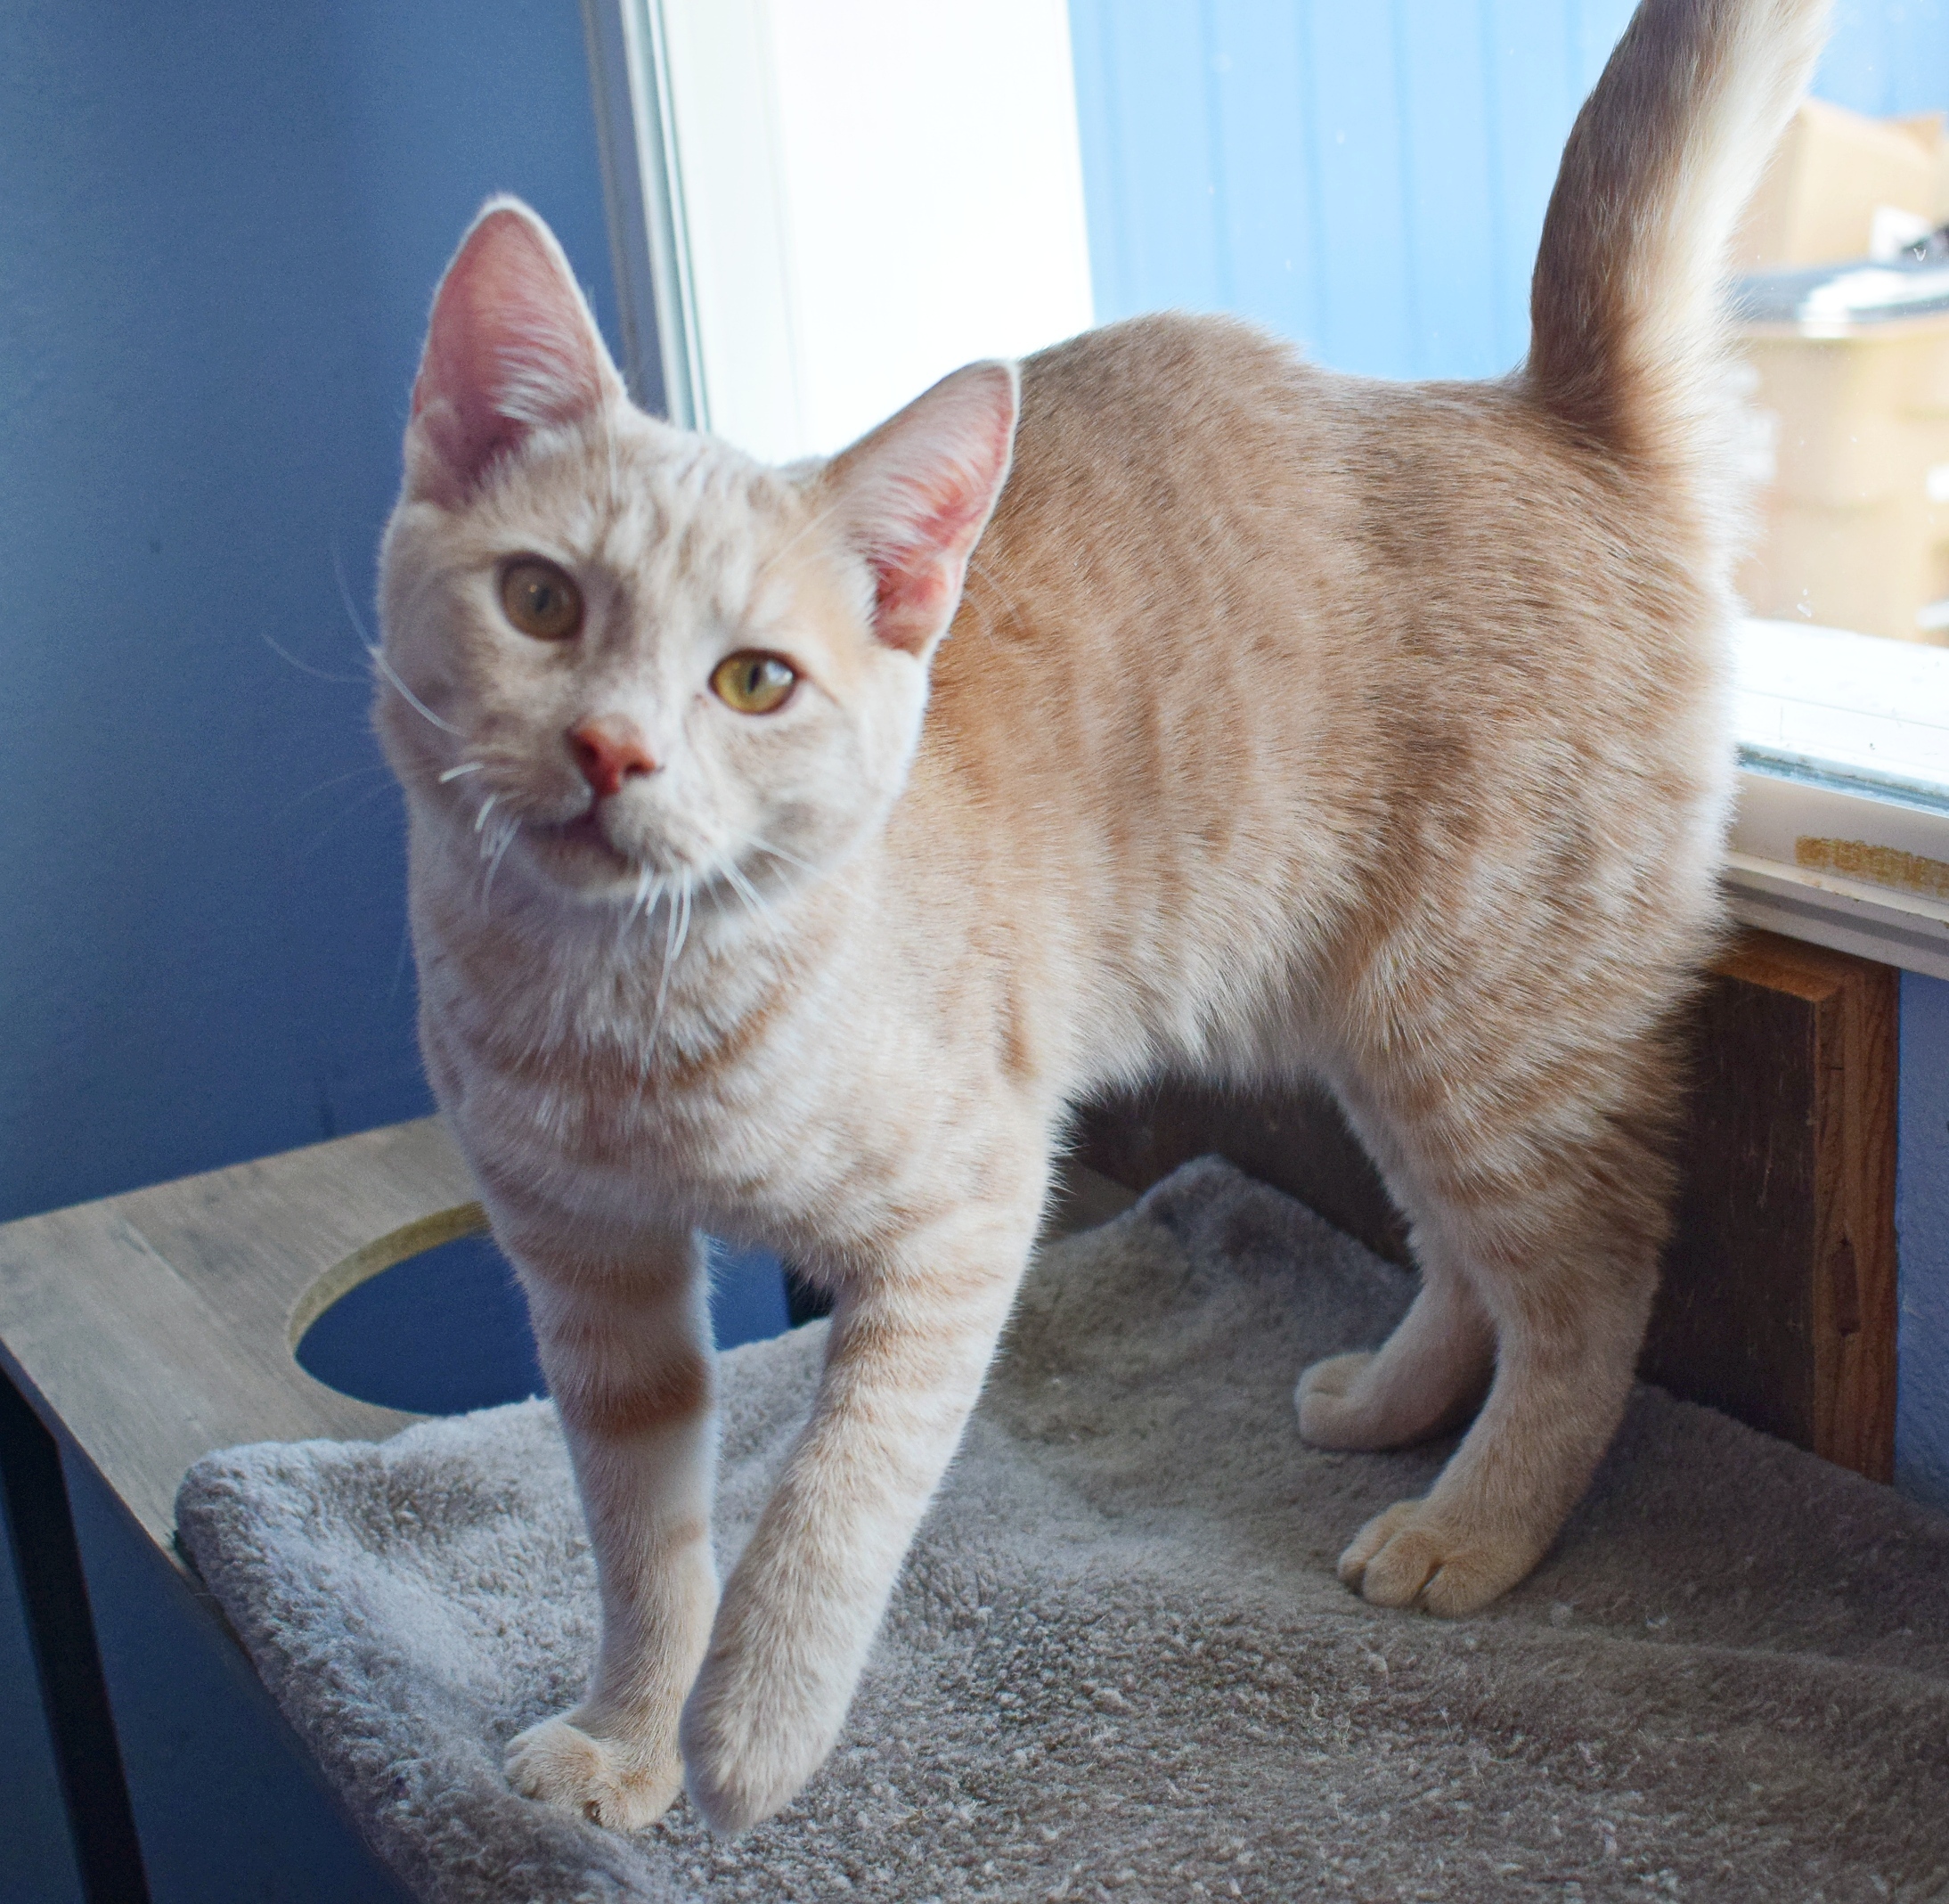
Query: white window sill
(1841,834)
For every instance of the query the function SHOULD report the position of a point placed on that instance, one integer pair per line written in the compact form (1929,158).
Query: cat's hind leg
(1429,1376)
(624,1336)
(1564,1259)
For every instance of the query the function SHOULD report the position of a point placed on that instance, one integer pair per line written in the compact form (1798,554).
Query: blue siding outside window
(1371,180)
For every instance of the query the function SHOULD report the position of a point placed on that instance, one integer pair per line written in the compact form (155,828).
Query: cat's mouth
(583,840)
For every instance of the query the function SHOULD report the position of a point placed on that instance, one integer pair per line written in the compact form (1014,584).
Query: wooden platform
(155,1327)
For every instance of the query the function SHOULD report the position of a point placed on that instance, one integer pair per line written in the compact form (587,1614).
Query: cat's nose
(609,749)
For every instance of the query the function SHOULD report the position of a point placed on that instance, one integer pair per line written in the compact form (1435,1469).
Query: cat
(792,848)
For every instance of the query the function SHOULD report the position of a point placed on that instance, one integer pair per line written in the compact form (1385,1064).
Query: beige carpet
(1119,1664)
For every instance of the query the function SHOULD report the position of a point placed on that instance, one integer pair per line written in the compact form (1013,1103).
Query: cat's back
(1205,534)
(1250,645)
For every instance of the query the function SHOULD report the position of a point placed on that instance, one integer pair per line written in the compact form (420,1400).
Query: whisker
(351,806)
(414,700)
(487,806)
(684,918)
(504,840)
(649,893)
(981,575)
(305,667)
(755,902)
(778,853)
(344,596)
(663,977)
(336,780)
(817,519)
(466,766)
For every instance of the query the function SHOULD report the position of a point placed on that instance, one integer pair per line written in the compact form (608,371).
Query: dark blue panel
(221,229)
(447,1330)
(440,1333)
(747,1295)
(36,1862)
(1921,1214)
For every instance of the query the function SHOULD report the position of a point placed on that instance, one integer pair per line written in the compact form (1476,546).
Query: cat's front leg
(624,1336)
(909,1348)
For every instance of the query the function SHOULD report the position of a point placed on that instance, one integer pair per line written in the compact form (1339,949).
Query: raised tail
(1626,307)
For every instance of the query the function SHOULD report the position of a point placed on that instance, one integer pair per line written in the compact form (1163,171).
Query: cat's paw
(1327,1418)
(1414,1556)
(749,1744)
(621,1783)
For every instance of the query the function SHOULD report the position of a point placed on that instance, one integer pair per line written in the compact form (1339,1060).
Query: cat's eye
(541,600)
(753,682)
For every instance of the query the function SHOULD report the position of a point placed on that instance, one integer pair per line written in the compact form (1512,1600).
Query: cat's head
(630,658)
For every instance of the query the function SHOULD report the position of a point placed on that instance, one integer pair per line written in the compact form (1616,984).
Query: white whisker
(503,839)
(683,930)
(466,766)
(487,806)
(649,892)
(778,853)
(816,519)
(336,780)
(305,667)
(755,902)
(413,699)
(673,944)
(344,596)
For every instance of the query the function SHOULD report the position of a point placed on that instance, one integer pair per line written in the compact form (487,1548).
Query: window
(835,201)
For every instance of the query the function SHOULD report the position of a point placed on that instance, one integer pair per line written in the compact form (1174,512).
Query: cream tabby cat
(1290,724)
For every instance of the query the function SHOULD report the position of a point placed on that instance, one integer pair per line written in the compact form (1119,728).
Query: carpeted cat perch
(1119,1662)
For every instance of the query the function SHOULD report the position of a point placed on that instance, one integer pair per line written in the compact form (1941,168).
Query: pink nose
(609,749)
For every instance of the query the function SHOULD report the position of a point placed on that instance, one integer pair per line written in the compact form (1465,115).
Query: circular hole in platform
(445,1328)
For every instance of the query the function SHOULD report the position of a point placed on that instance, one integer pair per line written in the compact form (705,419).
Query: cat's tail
(1625,306)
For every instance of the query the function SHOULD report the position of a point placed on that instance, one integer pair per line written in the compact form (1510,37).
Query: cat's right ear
(916,493)
(511,348)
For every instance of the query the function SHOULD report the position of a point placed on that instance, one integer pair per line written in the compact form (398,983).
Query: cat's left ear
(915,495)
(511,349)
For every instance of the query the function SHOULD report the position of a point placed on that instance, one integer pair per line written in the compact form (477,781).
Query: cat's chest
(705,1102)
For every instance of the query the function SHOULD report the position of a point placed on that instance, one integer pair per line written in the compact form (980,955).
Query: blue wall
(219,235)
(1921,1214)
(1371,179)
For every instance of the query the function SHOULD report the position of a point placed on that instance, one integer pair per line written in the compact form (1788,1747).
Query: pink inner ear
(920,490)
(511,349)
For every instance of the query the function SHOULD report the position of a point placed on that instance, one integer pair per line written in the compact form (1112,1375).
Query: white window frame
(753,151)
(706,235)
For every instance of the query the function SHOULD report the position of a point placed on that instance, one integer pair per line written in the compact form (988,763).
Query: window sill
(1841,831)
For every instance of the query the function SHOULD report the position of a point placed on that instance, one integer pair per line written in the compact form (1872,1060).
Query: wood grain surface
(157,1326)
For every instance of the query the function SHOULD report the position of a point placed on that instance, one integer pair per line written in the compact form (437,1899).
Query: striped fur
(1288,723)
